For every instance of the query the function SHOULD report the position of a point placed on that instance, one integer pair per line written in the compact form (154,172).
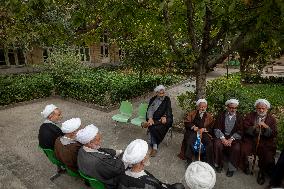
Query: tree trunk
(200,71)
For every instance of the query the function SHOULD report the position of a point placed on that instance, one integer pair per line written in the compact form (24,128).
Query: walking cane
(199,152)
(256,148)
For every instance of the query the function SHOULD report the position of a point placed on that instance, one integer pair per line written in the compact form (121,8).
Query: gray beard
(261,114)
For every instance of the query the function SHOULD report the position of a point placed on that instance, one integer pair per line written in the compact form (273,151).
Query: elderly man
(49,130)
(66,147)
(259,137)
(195,122)
(136,157)
(94,161)
(228,129)
(159,118)
(200,175)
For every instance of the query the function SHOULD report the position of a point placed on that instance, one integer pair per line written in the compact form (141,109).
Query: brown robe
(234,150)
(188,123)
(267,144)
(67,154)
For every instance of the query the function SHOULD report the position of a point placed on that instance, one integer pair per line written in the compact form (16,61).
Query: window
(21,57)
(121,54)
(104,45)
(2,57)
(84,54)
(46,53)
(12,57)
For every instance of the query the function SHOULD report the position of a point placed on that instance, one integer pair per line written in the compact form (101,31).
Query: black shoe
(87,183)
(260,178)
(247,171)
(219,169)
(229,173)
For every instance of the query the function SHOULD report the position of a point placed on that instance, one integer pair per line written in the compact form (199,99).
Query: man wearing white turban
(159,118)
(228,130)
(259,128)
(135,177)
(66,147)
(196,122)
(49,130)
(200,175)
(94,161)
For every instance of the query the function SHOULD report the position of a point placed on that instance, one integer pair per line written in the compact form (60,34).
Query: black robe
(102,165)
(159,130)
(48,133)
(144,182)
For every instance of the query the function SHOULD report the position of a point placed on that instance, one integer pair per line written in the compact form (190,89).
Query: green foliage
(222,89)
(280,136)
(62,64)
(109,87)
(256,78)
(24,87)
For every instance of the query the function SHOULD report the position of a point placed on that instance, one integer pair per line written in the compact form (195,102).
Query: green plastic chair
(93,182)
(141,115)
(51,156)
(125,112)
(72,173)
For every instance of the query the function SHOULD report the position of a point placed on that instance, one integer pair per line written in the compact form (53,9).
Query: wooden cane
(256,148)
(199,152)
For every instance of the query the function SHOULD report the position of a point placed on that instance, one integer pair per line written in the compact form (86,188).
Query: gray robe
(102,165)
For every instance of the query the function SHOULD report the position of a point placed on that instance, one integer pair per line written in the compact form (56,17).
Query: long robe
(234,150)
(267,144)
(278,173)
(67,154)
(147,181)
(48,133)
(193,118)
(102,165)
(159,130)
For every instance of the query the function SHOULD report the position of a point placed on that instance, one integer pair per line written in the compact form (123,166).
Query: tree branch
(169,33)
(190,25)
(219,59)
(86,29)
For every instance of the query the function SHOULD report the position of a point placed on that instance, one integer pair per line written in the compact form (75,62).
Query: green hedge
(256,78)
(24,87)
(109,87)
(97,86)
(222,89)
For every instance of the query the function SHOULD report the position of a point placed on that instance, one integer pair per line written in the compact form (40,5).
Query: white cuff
(222,137)
(118,152)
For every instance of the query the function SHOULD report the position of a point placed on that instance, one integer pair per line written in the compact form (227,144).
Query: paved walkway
(23,165)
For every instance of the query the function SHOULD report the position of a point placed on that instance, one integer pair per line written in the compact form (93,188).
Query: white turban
(135,152)
(262,101)
(48,110)
(87,134)
(71,125)
(201,100)
(232,101)
(200,175)
(159,88)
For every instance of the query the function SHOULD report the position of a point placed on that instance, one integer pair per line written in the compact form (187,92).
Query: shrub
(24,87)
(109,87)
(256,78)
(222,89)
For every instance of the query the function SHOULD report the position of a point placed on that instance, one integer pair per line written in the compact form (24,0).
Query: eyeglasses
(232,107)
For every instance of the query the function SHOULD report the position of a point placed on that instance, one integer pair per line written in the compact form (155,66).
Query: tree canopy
(197,33)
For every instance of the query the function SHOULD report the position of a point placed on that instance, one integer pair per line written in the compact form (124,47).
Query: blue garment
(197,145)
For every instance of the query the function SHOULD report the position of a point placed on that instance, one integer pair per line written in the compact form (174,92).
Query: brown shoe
(153,153)
(144,125)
